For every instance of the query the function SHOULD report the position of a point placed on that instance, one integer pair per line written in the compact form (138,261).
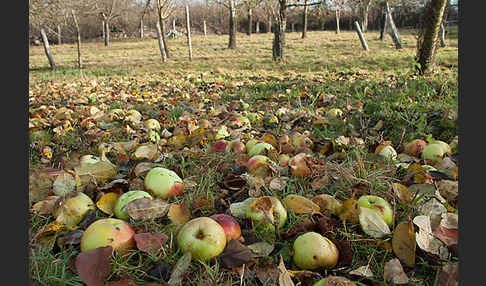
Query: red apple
(415,147)
(258,165)
(237,147)
(163,183)
(231,227)
(220,146)
(108,232)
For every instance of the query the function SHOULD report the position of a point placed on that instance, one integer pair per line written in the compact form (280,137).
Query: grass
(129,74)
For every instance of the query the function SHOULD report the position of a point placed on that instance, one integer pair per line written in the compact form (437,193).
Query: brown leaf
(449,275)
(129,282)
(150,242)
(304,274)
(284,276)
(278,183)
(262,248)
(345,252)
(107,202)
(235,254)
(337,281)
(327,202)
(363,271)
(48,234)
(300,204)
(180,268)
(179,214)
(403,242)
(402,192)
(40,183)
(143,168)
(46,206)
(93,266)
(146,151)
(74,237)
(393,272)
(146,208)
(349,211)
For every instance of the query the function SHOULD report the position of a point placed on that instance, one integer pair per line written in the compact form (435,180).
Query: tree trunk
(383,23)
(365,8)
(257,27)
(292,27)
(361,37)
(427,42)
(269,24)
(442,35)
(250,24)
(47,49)
(161,43)
(188,29)
(107,33)
(59,35)
(279,33)
(337,22)
(104,29)
(393,29)
(304,20)
(232,26)
(163,29)
(174,24)
(204,28)
(78,39)
(141,28)
(322,24)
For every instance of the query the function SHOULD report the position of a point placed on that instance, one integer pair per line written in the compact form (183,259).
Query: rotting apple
(220,146)
(283,160)
(313,251)
(125,198)
(298,165)
(327,202)
(73,209)
(163,183)
(379,205)
(433,152)
(265,211)
(231,227)
(258,165)
(259,148)
(387,152)
(203,237)
(112,232)
(237,146)
(415,147)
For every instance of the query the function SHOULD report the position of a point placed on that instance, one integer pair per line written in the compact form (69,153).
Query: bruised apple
(231,227)
(72,210)
(415,147)
(124,199)
(220,146)
(433,152)
(237,147)
(203,237)
(163,183)
(258,165)
(313,251)
(379,205)
(108,232)
(267,211)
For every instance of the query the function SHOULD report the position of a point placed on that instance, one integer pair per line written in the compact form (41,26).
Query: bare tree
(231,5)
(108,10)
(165,8)
(188,29)
(428,34)
(78,34)
(250,5)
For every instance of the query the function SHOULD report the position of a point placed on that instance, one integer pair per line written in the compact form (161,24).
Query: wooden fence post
(78,34)
(161,43)
(188,28)
(361,37)
(47,49)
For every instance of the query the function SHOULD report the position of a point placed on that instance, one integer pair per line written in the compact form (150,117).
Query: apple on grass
(163,183)
(313,251)
(72,210)
(231,227)
(258,165)
(203,237)
(112,232)
(415,147)
(378,204)
(265,211)
(124,199)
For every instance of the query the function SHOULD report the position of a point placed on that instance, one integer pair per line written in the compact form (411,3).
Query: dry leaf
(48,234)
(349,211)
(262,248)
(143,168)
(146,208)
(107,202)
(300,204)
(327,202)
(449,274)
(363,271)
(278,183)
(74,237)
(393,272)
(404,243)
(283,277)
(426,240)
(372,223)
(402,192)
(180,268)
(147,151)
(235,254)
(433,209)
(98,172)
(129,282)
(93,266)
(45,206)
(336,281)
(449,189)
(179,214)
(150,242)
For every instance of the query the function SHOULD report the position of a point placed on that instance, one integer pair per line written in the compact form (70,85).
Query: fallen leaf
(433,209)
(363,271)
(98,172)
(278,183)
(179,214)
(337,281)
(425,239)
(320,182)
(300,204)
(129,282)
(372,223)
(150,242)
(304,274)
(268,274)
(160,270)
(107,202)
(449,189)
(261,249)
(146,208)
(448,230)
(46,206)
(235,254)
(40,183)
(93,266)
(449,274)
(143,167)
(284,276)
(349,211)
(327,202)
(72,238)
(404,243)
(402,192)
(147,151)
(48,234)
(393,272)
(180,268)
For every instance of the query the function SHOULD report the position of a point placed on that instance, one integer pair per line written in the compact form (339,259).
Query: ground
(382,100)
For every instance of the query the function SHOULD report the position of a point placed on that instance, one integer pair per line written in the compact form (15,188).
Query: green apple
(334,112)
(258,148)
(313,251)
(265,210)
(388,152)
(250,143)
(433,152)
(378,204)
(125,198)
(163,183)
(108,232)
(203,237)
(72,210)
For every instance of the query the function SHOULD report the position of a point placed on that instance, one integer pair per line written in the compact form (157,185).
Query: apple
(258,165)
(327,202)
(298,166)
(152,124)
(270,120)
(125,198)
(415,147)
(386,151)
(231,227)
(264,211)
(259,148)
(445,147)
(204,123)
(237,147)
(108,232)
(283,160)
(313,251)
(203,237)
(163,183)
(72,210)
(433,152)
(220,146)
(252,142)
(378,204)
